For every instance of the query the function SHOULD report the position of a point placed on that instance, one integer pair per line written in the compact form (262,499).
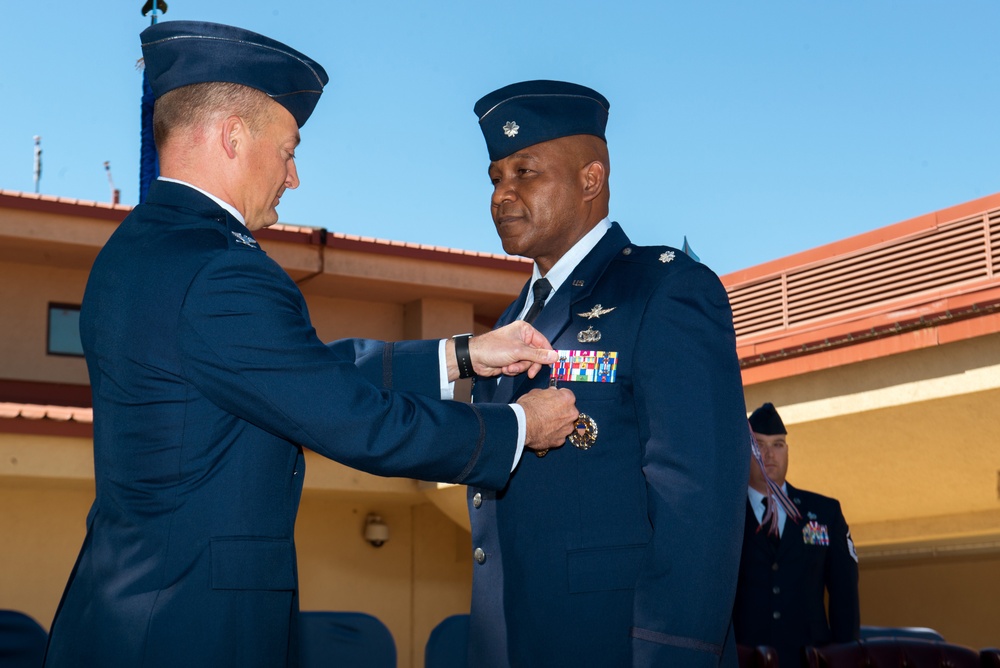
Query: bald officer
(208,382)
(783,579)
(622,550)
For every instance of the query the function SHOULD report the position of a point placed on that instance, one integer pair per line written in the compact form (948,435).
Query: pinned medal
(589,335)
(584,433)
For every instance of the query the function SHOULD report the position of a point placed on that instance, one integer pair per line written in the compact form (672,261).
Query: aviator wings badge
(596,312)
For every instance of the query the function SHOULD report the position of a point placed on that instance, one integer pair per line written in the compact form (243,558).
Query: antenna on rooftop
(38,161)
(116,194)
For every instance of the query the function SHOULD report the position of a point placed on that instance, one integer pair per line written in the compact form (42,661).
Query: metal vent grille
(758,307)
(954,253)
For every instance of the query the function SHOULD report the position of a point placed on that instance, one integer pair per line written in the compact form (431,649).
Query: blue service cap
(180,53)
(530,112)
(765,420)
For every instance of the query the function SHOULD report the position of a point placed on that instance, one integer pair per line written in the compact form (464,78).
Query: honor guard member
(779,601)
(622,548)
(208,381)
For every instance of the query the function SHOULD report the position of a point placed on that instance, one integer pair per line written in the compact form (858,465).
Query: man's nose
(292,177)
(503,191)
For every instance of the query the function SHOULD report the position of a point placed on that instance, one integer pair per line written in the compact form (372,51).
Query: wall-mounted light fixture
(376,531)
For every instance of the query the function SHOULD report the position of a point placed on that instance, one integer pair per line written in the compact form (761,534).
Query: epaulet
(655,255)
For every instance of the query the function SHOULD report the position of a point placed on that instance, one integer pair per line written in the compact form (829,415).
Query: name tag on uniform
(815,533)
(585,366)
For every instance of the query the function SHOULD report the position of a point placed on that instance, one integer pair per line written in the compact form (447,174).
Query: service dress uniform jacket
(208,381)
(780,598)
(625,554)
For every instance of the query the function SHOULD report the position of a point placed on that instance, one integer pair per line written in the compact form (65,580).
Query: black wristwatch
(462,355)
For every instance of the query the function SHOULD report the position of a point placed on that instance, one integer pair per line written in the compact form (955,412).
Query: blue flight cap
(180,53)
(530,112)
(765,420)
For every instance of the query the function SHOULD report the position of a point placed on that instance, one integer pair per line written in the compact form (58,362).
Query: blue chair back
(337,639)
(899,632)
(22,640)
(448,645)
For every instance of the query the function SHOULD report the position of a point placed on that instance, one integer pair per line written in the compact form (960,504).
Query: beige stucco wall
(26,290)
(956,596)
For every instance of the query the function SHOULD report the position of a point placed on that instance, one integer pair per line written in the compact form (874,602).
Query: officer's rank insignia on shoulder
(667,257)
(244,239)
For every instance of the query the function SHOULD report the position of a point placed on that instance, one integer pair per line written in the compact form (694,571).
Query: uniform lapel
(581,283)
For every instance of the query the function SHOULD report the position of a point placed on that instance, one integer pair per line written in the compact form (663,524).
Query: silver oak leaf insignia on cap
(510,128)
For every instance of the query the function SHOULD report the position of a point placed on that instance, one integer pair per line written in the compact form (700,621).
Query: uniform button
(776,590)
(774,566)
(477,500)
(479,555)
(626,251)
(776,615)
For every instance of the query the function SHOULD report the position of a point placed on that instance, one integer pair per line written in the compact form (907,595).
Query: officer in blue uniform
(622,550)
(208,381)
(783,578)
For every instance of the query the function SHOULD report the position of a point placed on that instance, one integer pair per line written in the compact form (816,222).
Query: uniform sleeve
(410,366)
(250,348)
(841,575)
(692,422)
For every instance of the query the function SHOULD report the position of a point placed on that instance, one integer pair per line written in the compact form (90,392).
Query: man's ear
(233,134)
(594,180)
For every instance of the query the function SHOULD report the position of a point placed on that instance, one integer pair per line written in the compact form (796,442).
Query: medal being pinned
(585,432)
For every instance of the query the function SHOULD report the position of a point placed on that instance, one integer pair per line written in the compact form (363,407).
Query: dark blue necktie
(540,291)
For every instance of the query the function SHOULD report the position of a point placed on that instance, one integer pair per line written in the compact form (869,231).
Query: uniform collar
(225,205)
(561,270)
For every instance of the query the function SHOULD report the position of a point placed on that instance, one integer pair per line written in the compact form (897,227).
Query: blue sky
(758,128)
